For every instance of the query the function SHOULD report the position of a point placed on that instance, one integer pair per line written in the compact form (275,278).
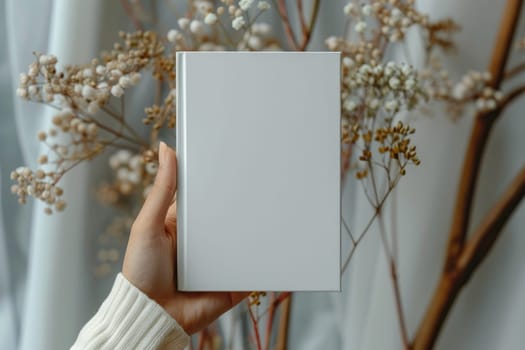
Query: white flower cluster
(394,17)
(258,38)
(334,43)
(203,32)
(92,86)
(130,170)
(474,86)
(238,22)
(389,85)
(38,184)
(66,121)
(238,13)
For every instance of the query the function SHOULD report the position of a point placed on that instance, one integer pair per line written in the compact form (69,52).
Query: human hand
(150,259)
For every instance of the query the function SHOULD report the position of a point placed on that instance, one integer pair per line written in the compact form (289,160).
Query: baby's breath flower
(88,92)
(350,105)
(238,22)
(87,73)
(263,5)
(348,8)
(47,59)
(367,10)
(24,79)
(394,83)
(100,70)
(203,6)
(255,43)
(197,27)
(245,4)
(151,168)
(117,91)
(262,29)
(211,18)
(184,23)
(42,159)
(33,70)
(124,81)
(173,35)
(60,205)
(332,42)
(33,91)
(391,106)
(360,26)
(41,136)
(22,92)
(348,62)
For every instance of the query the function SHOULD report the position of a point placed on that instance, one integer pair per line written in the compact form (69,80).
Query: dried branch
(302,21)
(399,304)
(479,136)
(255,325)
(475,251)
(129,11)
(269,322)
(307,29)
(283,12)
(514,71)
(490,229)
(284,323)
(461,258)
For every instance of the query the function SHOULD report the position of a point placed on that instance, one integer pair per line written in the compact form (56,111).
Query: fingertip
(161,195)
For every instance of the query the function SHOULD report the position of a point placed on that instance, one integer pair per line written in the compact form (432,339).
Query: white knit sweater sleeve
(129,319)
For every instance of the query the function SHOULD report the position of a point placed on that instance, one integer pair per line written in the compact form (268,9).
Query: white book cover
(258,147)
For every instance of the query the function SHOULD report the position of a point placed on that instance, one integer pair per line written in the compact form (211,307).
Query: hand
(150,259)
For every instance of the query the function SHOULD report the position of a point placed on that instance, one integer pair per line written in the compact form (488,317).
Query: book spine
(182,262)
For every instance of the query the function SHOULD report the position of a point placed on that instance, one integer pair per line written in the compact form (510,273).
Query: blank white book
(258,149)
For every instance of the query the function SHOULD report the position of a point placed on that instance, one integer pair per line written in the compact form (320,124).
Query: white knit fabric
(129,319)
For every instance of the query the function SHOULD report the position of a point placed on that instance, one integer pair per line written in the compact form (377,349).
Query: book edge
(181,170)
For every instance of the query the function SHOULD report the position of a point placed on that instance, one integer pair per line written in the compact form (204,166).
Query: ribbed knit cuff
(129,319)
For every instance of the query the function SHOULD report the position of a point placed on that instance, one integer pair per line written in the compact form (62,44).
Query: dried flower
(184,23)
(245,4)
(197,27)
(238,22)
(255,298)
(360,26)
(211,18)
(348,8)
(263,5)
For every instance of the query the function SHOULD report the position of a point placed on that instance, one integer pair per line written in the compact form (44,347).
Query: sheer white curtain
(47,289)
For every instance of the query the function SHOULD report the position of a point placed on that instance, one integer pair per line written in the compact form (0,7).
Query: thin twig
(399,304)
(269,321)
(300,10)
(514,71)
(283,13)
(369,224)
(347,228)
(131,14)
(284,324)
(255,328)
(307,30)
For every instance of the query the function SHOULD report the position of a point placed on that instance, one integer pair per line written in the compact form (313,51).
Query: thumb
(155,208)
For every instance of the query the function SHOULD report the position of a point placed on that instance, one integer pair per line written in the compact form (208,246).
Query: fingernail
(162,152)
